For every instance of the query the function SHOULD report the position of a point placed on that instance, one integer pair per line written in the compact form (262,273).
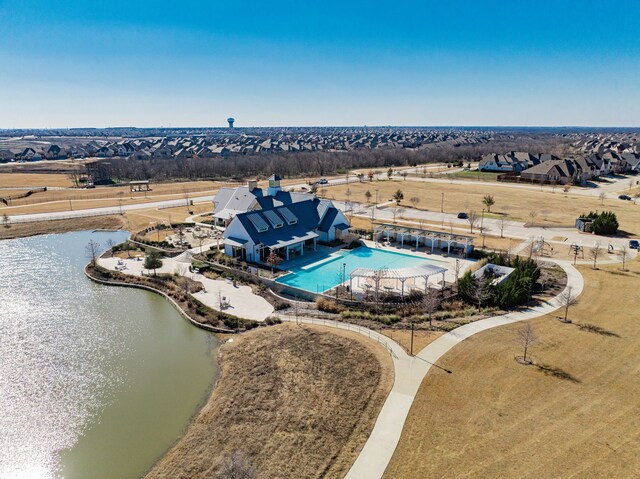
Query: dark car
(462,215)
(634,244)
(624,197)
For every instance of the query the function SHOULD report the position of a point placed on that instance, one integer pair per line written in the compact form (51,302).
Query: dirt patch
(296,401)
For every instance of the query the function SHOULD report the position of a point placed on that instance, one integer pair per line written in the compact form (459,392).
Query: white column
(287,252)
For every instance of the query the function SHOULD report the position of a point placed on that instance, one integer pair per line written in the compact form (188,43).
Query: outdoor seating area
(374,281)
(432,241)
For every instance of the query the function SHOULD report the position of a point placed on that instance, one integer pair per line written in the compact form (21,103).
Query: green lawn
(475,175)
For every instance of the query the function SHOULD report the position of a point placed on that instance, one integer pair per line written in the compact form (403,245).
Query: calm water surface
(95,381)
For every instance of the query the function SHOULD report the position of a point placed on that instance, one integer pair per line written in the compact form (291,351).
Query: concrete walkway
(411,371)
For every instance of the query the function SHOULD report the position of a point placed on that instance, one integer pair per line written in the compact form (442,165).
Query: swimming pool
(323,273)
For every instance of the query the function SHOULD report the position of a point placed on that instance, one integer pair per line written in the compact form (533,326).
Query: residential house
(558,171)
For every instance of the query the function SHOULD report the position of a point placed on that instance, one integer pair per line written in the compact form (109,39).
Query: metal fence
(291,317)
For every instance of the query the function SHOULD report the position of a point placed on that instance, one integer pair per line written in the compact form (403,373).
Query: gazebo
(424,270)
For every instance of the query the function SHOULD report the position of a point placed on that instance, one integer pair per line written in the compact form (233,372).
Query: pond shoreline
(184,314)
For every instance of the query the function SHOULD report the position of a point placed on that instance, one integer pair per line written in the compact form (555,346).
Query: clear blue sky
(66,63)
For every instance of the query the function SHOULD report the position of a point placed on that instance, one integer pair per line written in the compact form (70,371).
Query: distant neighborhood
(547,168)
(220,143)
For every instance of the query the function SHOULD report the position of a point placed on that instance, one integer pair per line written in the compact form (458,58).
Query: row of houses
(240,142)
(552,169)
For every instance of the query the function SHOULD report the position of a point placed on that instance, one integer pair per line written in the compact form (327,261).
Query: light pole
(344,273)
(442,203)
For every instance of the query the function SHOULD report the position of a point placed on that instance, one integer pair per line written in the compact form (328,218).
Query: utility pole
(70,207)
(411,349)
(442,203)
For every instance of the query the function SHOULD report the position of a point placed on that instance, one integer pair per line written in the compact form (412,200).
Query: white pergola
(423,270)
(416,234)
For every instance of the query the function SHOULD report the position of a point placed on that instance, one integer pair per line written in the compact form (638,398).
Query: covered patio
(288,248)
(416,237)
(376,278)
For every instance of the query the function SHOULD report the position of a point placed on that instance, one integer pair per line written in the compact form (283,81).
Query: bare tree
(110,245)
(533,214)
(92,251)
(481,292)
(273,260)
(431,302)
(414,200)
(6,222)
(237,466)
(472,219)
(185,194)
(567,299)
(401,211)
(501,226)
(595,253)
(602,196)
(526,338)
(368,195)
(625,255)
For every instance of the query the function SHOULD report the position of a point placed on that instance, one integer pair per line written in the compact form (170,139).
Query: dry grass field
(552,209)
(297,401)
(19,230)
(64,200)
(16,180)
(421,337)
(573,413)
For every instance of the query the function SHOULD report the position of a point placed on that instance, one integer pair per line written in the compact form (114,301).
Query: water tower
(231,120)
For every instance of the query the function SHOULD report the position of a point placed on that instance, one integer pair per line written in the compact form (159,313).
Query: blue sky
(70,63)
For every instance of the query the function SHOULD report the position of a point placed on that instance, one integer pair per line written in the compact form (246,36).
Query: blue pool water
(321,273)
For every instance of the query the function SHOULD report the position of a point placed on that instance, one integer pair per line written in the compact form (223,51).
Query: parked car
(323,181)
(634,244)
(624,197)
(462,215)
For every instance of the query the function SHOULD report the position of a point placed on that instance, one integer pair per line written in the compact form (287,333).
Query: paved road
(510,229)
(611,190)
(411,371)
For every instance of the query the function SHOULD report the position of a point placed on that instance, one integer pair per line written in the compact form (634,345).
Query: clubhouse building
(260,221)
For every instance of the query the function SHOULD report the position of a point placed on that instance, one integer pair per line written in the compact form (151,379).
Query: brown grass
(421,338)
(574,413)
(15,180)
(553,209)
(19,230)
(58,200)
(298,401)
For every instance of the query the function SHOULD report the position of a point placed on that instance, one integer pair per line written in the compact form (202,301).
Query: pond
(95,381)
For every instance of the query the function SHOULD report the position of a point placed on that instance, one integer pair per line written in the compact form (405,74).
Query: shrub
(271,320)
(329,306)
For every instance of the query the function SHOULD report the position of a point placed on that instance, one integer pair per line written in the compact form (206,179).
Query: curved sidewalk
(410,372)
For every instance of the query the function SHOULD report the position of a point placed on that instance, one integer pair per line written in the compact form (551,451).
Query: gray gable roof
(308,221)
